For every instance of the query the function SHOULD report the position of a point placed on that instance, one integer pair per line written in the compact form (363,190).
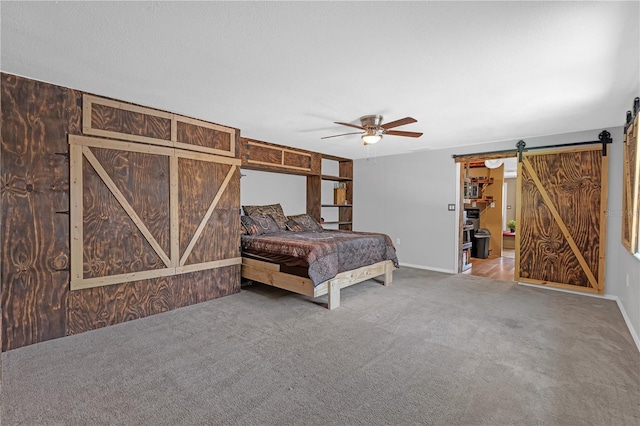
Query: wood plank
(482,157)
(174,209)
(200,286)
(278,279)
(76,212)
(208,265)
(558,285)
(630,189)
(143,180)
(364,273)
(119,145)
(314,197)
(388,273)
(202,156)
(334,295)
(260,264)
(203,149)
(552,208)
(35,184)
(153,273)
(207,215)
(604,184)
(635,205)
(88,100)
(120,278)
(519,220)
(125,205)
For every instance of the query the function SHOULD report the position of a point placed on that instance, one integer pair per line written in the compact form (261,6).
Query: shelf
(467,227)
(482,181)
(334,157)
(337,178)
(478,200)
(467,245)
(335,223)
(337,205)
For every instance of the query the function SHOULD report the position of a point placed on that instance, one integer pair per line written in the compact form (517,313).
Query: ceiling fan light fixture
(371,137)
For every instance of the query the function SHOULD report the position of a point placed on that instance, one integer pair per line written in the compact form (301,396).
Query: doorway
(561,198)
(489,208)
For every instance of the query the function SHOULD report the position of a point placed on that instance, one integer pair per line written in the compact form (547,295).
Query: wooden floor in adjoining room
(499,268)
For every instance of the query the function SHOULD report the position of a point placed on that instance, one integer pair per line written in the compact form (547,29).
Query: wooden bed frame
(270,274)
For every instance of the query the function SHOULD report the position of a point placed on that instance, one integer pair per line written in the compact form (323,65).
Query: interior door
(561,220)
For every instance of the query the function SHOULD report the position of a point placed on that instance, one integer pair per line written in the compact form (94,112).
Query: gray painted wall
(406,196)
(260,188)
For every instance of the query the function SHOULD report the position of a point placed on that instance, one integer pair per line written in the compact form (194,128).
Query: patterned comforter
(328,253)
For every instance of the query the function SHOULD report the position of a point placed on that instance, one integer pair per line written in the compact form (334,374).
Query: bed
(315,263)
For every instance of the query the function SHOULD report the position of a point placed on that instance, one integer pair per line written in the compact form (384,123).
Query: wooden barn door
(560,238)
(142,212)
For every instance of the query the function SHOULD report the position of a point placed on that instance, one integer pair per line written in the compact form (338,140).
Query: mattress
(326,253)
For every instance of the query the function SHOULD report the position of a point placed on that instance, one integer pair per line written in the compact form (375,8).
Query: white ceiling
(469,72)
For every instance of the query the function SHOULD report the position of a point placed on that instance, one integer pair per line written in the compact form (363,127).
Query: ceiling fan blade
(401,133)
(401,122)
(350,125)
(343,134)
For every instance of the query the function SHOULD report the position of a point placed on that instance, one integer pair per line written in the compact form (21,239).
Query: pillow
(308,223)
(274,210)
(260,224)
(294,226)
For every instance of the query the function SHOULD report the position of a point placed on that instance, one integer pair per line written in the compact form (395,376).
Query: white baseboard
(428,268)
(627,321)
(562,290)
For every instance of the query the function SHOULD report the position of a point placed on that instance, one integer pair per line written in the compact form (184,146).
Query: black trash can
(480,248)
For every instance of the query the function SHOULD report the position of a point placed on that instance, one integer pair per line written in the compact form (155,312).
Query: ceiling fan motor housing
(371,121)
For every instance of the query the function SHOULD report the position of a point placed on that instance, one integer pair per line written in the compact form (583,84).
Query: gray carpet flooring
(430,349)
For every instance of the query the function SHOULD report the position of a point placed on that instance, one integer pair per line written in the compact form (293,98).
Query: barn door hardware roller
(605,138)
(520,145)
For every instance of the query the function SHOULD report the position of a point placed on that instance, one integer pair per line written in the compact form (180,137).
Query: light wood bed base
(270,274)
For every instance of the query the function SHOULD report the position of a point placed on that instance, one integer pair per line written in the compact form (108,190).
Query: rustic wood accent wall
(120,120)
(37,303)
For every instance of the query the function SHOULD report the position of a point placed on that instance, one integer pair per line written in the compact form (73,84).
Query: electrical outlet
(451,207)
(398,243)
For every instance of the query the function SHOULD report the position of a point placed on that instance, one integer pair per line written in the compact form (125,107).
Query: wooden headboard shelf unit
(269,157)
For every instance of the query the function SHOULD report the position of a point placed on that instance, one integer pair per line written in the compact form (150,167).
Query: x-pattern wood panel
(561,218)
(80,149)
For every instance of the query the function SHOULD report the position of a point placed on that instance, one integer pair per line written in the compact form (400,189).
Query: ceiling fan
(373,129)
